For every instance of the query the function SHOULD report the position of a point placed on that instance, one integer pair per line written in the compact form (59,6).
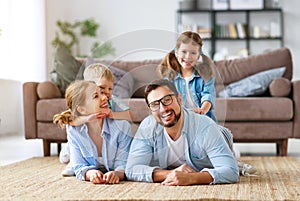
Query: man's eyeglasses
(166,100)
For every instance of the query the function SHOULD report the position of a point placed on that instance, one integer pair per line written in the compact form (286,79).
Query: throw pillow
(48,90)
(66,68)
(253,85)
(124,82)
(280,87)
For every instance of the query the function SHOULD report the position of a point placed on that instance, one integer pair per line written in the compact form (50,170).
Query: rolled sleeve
(209,92)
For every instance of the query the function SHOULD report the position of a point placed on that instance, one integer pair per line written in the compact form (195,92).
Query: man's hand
(111,178)
(179,176)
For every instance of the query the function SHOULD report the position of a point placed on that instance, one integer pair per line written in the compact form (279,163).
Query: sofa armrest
(296,98)
(30,99)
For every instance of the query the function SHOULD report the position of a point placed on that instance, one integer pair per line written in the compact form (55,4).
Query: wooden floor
(15,148)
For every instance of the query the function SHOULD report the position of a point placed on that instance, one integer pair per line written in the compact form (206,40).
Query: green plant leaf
(69,35)
(100,50)
(89,27)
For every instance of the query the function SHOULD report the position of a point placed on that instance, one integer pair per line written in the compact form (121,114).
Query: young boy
(104,79)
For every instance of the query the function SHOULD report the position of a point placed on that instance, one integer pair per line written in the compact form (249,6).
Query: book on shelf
(241,30)
(232,30)
(204,32)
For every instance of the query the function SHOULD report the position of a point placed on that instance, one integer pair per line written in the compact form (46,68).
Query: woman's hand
(95,176)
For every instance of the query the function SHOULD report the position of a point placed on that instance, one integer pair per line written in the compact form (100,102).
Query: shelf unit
(248,23)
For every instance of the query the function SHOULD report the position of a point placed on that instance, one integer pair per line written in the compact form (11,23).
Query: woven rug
(39,179)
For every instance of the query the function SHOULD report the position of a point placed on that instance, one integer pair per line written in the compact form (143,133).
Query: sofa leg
(281,147)
(46,145)
(58,148)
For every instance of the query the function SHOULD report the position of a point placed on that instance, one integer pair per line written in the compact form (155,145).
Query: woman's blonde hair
(75,96)
(169,67)
(97,71)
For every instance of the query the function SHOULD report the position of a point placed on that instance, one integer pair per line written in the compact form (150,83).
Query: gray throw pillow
(66,68)
(253,85)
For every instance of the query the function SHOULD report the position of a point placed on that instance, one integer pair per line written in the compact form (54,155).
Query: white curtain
(22,40)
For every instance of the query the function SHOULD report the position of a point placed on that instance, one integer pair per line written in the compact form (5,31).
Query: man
(176,146)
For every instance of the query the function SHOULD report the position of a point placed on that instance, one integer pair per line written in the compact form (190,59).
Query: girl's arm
(206,106)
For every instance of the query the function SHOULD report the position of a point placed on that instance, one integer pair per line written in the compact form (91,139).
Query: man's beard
(174,122)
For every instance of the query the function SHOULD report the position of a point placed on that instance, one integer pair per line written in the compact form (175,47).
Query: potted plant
(69,35)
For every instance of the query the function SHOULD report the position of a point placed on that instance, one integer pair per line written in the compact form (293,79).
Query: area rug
(39,178)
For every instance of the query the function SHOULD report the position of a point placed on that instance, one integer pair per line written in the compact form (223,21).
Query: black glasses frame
(154,105)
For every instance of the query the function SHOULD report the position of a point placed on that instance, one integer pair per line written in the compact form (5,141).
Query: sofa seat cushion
(51,132)
(47,108)
(255,109)
(260,131)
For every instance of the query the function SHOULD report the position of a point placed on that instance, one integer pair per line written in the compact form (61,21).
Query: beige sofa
(271,117)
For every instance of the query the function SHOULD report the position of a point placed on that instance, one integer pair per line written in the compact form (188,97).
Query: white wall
(22,56)
(11,110)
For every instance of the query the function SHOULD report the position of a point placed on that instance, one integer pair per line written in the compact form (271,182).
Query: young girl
(195,81)
(104,79)
(99,148)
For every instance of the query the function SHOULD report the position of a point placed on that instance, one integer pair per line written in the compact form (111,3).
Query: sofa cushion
(48,90)
(254,109)
(253,85)
(280,87)
(47,108)
(66,68)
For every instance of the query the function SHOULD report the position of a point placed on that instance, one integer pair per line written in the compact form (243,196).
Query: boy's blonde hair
(96,71)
